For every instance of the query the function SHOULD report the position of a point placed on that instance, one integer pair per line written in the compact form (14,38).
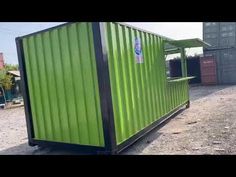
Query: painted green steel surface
(63,85)
(189,43)
(183,63)
(140,91)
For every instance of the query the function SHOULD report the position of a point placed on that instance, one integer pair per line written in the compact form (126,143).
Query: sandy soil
(13,133)
(207,127)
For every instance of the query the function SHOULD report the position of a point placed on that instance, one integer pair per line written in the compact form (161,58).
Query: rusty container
(208,70)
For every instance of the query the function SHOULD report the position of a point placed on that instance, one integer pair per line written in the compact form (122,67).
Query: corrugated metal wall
(224,50)
(177,93)
(226,65)
(226,34)
(62,78)
(211,33)
(208,70)
(140,91)
(219,34)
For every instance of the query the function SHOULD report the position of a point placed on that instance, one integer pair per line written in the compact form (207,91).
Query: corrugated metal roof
(16,73)
(189,43)
(172,46)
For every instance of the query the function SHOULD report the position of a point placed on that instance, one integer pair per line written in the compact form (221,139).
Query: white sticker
(138,51)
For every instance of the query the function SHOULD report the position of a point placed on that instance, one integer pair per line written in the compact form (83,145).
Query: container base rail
(83,149)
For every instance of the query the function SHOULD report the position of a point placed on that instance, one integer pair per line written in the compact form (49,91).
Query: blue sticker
(138,51)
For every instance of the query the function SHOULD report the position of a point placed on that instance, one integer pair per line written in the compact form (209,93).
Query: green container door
(140,91)
(63,86)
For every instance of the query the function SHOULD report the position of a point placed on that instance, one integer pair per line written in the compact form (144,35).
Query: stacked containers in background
(222,37)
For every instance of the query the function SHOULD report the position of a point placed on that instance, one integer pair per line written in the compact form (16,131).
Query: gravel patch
(207,127)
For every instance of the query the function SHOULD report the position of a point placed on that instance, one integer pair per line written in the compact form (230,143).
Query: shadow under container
(96,87)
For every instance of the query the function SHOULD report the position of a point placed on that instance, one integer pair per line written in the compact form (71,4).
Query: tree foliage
(11,67)
(6,79)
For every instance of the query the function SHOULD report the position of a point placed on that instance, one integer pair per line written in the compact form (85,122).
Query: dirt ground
(207,127)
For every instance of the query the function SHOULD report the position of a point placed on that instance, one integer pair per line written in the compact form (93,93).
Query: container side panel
(140,91)
(31,88)
(63,86)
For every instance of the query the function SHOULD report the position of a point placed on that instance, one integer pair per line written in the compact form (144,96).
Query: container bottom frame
(88,150)
(157,124)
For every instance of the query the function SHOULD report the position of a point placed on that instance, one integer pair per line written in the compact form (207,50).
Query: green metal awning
(172,51)
(173,46)
(188,43)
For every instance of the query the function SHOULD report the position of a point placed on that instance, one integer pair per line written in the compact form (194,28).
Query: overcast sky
(9,31)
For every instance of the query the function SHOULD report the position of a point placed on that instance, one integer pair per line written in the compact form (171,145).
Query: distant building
(15,73)
(1,61)
(16,89)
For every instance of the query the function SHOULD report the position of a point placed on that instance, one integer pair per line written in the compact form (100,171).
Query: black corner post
(188,104)
(104,87)
(25,91)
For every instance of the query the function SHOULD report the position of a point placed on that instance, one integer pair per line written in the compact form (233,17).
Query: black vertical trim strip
(25,91)
(104,86)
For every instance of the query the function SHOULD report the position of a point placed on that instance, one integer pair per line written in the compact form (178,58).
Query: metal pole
(183,63)
(184,71)
(4,95)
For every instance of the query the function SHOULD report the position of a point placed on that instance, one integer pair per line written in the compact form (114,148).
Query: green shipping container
(98,87)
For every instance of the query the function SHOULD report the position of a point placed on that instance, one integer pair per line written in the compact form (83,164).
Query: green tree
(5,79)
(11,67)
(2,76)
